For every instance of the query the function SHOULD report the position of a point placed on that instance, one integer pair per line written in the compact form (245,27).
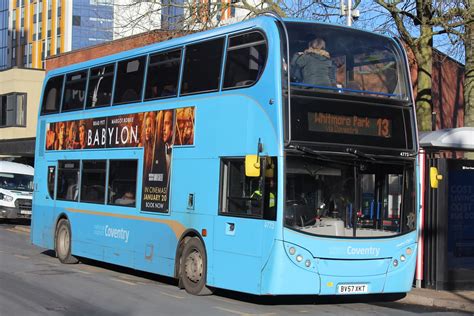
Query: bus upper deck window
(52,95)
(99,91)
(345,61)
(246,57)
(163,75)
(74,91)
(205,55)
(129,82)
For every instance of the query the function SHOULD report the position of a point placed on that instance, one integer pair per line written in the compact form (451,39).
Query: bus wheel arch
(191,264)
(63,241)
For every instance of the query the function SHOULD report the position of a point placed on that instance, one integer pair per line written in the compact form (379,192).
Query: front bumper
(283,275)
(14,212)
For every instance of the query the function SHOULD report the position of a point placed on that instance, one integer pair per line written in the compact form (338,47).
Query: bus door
(45,205)
(245,227)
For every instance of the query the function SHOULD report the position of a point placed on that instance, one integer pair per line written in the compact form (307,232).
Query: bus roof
(168,44)
(260,21)
(18,168)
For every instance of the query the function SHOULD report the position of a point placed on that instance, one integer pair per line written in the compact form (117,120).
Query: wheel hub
(194,267)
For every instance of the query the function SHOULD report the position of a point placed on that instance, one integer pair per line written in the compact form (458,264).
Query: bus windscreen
(345,61)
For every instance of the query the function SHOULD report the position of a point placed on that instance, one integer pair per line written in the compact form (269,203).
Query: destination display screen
(350,125)
(318,120)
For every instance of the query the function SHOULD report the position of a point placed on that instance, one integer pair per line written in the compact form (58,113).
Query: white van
(16,190)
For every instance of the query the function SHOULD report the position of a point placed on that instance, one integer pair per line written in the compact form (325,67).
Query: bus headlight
(403,258)
(300,256)
(395,263)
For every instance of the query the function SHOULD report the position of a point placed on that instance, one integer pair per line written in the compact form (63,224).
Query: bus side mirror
(435,177)
(252,166)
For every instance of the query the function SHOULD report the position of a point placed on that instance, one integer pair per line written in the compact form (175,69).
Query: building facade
(92,22)
(3,33)
(20,91)
(32,30)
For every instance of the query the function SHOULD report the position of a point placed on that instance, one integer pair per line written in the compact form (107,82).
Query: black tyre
(63,242)
(194,268)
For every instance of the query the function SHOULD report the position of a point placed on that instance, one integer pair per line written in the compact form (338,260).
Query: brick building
(109,48)
(447,89)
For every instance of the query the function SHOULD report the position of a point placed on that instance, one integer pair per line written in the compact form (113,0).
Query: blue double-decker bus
(268,157)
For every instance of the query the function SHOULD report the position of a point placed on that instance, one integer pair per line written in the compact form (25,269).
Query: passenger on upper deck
(314,65)
(127,199)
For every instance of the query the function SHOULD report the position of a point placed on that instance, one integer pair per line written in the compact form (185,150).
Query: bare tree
(466,12)
(134,16)
(418,22)
(407,17)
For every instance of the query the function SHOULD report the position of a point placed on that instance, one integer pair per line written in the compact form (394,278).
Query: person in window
(129,95)
(271,194)
(315,65)
(258,195)
(127,199)
(168,90)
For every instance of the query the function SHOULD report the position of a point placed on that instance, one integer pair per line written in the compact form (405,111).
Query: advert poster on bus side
(157,132)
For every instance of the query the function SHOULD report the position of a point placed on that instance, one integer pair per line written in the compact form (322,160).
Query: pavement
(453,300)
(456,300)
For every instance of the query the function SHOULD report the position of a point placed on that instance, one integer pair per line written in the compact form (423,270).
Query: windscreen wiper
(322,155)
(359,153)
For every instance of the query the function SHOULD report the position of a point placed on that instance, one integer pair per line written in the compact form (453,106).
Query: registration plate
(25,212)
(352,288)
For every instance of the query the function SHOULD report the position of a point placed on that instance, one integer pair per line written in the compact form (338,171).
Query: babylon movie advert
(157,132)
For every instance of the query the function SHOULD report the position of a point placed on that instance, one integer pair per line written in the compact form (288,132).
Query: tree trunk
(469,76)
(424,57)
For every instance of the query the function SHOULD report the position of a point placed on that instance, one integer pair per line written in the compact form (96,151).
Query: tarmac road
(33,282)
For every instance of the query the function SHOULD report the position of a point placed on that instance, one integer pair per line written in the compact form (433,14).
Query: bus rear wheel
(194,268)
(63,242)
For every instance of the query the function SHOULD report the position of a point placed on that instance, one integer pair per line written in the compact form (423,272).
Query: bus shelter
(446,248)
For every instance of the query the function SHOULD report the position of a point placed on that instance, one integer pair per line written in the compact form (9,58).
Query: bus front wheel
(194,268)
(63,242)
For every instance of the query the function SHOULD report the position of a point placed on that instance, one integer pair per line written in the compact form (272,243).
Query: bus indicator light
(292,250)
(204,232)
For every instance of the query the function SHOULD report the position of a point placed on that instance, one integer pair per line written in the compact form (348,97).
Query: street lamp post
(348,12)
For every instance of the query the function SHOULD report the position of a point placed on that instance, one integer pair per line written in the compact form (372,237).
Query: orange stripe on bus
(177,227)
